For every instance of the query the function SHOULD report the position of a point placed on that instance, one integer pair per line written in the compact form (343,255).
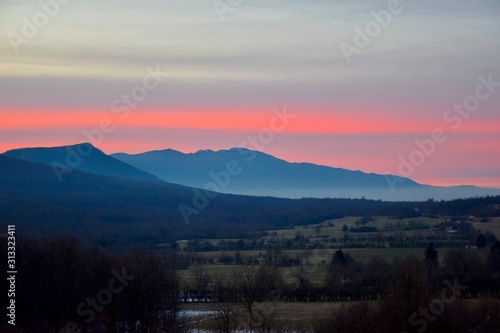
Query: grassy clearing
(333,228)
(359,254)
(298,316)
(292,315)
(316,273)
(318,262)
(493,226)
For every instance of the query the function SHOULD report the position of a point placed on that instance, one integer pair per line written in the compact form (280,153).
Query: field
(297,316)
(333,228)
(330,235)
(493,226)
(317,264)
(293,315)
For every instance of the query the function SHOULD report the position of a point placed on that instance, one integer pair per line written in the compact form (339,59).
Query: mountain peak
(203,151)
(82,156)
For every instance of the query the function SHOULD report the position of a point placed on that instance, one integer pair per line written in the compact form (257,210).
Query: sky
(410,88)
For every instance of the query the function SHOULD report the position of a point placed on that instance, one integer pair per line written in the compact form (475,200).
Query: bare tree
(462,262)
(224,292)
(151,299)
(258,284)
(200,281)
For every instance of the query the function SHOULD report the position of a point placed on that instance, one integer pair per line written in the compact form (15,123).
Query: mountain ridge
(252,173)
(113,211)
(83,157)
(265,174)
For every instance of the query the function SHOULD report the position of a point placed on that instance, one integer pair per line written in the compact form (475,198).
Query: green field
(350,221)
(361,254)
(292,315)
(317,263)
(493,226)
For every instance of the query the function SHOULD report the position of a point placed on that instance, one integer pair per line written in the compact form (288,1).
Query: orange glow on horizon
(368,144)
(244,119)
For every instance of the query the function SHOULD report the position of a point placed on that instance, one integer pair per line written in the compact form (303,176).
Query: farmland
(309,249)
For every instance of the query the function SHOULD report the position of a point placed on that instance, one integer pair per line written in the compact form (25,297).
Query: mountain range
(82,191)
(111,210)
(257,173)
(242,171)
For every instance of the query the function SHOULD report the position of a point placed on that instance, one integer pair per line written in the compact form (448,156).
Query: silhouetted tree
(408,291)
(152,298)
(256,284)
(225,294)
(431,254)
(339,259)
(376,274)
(200,280)
(481,241)
(463,262)
(338,271)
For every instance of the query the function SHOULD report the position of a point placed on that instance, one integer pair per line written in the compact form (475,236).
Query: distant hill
(83,157)
(86,204)
(263,174)
(111,211)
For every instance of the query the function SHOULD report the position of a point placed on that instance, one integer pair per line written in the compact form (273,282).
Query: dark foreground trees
(62,286)
(462,295)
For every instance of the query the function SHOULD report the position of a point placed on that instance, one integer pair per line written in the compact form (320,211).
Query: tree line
(64,286)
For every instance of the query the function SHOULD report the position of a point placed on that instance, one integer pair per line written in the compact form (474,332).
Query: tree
(345,228)
(339,269)
(151,300)
(431,254)
(495,256)
(409,289)
(462,262)
(200,281)
(481,241)
(339,258)
(224,296)
(254,285)
(376,273)
(304,285)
